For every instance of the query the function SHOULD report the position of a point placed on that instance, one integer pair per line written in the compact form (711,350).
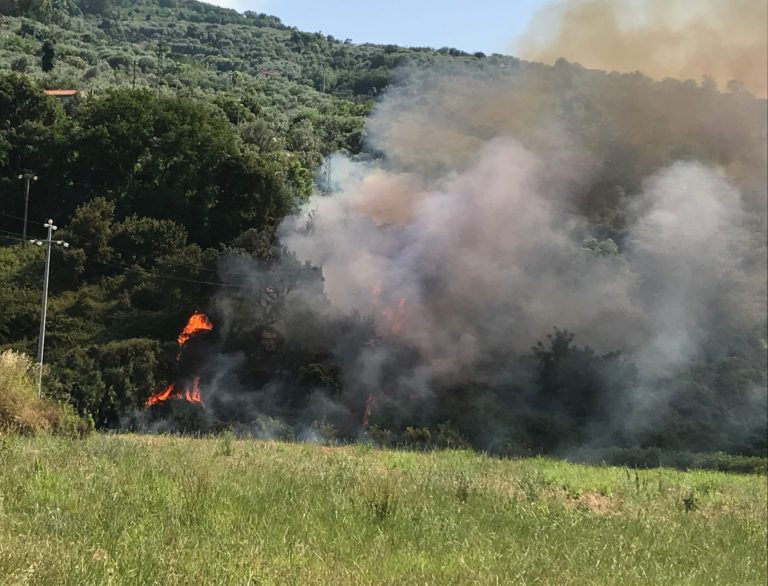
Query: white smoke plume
(469,239)
(488,259)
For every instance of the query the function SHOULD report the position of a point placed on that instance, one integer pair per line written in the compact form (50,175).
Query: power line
(13,238)
(148,257)
(18,218)
(176,278)
(162,276)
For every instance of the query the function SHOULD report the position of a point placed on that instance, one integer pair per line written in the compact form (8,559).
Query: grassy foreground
(159,510)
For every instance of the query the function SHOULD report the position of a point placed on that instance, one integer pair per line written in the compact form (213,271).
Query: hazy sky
(482,25)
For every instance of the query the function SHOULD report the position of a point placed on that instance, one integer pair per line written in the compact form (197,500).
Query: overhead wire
(17,237)
(148,257)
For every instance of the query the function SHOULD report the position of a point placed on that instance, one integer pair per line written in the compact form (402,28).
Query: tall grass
(171,510)
(23,411)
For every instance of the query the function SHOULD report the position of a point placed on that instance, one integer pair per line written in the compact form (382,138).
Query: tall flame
(393,316)
(189,393)
(160,396)
(396,316)
(198,322)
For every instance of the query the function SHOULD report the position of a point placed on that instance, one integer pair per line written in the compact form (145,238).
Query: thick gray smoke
(467,242)
(490,259)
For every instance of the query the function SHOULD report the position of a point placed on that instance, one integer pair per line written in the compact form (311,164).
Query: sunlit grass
(168,510)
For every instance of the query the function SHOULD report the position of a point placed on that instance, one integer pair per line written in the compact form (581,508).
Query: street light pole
(44,313)
(27,177)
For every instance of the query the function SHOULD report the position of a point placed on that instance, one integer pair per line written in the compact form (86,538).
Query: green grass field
(166,510)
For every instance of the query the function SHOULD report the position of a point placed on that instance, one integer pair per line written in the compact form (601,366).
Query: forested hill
(198,130)
(284,90)
(190,45)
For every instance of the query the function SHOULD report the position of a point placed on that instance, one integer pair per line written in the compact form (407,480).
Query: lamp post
(43,314)
(27,177)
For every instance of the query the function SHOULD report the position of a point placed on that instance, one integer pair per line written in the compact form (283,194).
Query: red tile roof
(61,93)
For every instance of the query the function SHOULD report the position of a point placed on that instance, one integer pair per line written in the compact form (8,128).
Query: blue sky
(482,25)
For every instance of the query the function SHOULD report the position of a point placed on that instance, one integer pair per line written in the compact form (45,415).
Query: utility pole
(27,177)
(43,314)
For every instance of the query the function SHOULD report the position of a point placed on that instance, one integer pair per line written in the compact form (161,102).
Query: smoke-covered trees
(171,203)
(172,193)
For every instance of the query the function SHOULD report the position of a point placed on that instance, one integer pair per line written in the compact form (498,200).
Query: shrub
(419,438)
(379,436)
(448,437)
(20,64)
(381,501)
(325,432)
(655,457)
(22,411)
(69,424)
(119,62)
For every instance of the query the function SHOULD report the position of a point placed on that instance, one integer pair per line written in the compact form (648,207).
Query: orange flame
(190,394)
(198,322)
(160,396)
(396,316)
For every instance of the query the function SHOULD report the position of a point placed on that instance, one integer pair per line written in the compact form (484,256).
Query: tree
(31,125)
(176,158)
(7,7)
(90,231)
(48,56)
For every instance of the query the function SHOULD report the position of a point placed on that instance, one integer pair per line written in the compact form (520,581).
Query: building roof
(61,93)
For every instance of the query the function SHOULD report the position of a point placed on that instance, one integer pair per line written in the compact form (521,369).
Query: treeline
(202,48)
(150,190)
(170,207)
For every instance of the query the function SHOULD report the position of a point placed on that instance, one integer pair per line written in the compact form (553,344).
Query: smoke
(499,209)
(488,260)
(724,39)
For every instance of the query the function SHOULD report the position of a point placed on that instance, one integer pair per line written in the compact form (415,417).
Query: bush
(379,436)
(20,64)
(448,437)
(418,438)
(69,424)
(22,411)
(655,457)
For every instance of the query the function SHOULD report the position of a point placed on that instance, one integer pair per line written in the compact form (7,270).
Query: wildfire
(160,396)
(189,393)
(370,404)
(396,316)
(198,322)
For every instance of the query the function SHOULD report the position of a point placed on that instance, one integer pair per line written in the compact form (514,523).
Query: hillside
(511,255)
(199,48)
(161,510)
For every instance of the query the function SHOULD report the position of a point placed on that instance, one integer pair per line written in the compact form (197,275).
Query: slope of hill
(203,48)
(198,131)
